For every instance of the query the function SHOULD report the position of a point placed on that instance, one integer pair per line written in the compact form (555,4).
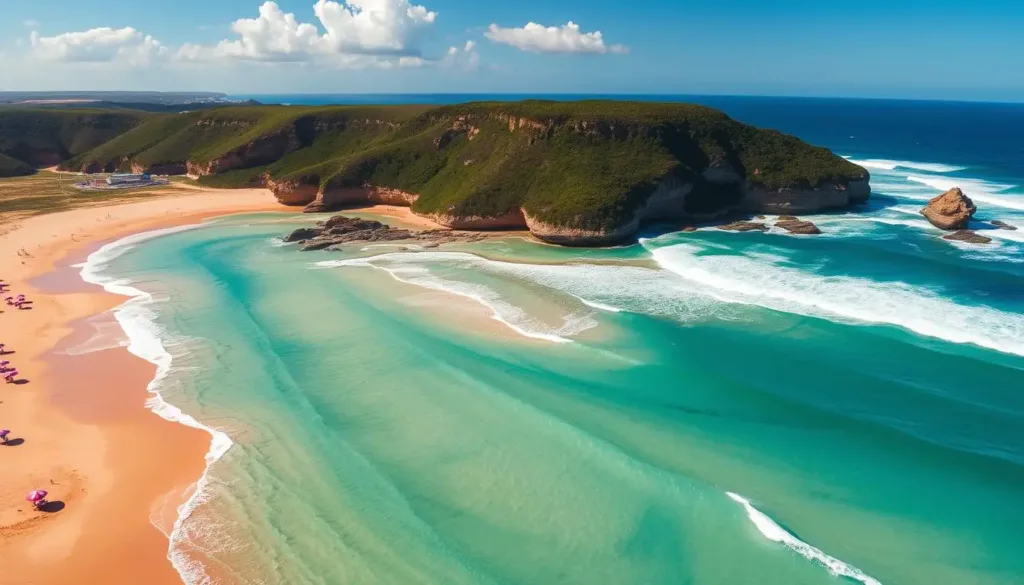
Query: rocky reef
(339,230)
(795,225)
(967,236)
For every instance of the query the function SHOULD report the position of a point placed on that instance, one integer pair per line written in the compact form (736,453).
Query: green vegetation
(41,137)
(12,167)
(588,164)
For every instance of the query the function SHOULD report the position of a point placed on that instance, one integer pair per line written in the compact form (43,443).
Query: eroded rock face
(291,192)
(950,211)
(967,236)
(332,198)
(666,203)
(577,236)
(261,151)
(804,200)
(512,220)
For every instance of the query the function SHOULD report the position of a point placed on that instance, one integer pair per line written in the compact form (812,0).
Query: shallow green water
(866,399)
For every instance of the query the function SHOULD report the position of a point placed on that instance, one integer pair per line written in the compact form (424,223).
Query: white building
(127,178)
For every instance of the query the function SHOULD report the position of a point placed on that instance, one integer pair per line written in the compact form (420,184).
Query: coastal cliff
(573,173)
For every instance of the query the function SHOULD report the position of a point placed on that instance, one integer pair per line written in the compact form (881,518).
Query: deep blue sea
(706,408)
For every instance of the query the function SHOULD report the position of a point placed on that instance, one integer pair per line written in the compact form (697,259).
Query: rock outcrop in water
(744,226)
(967,236)
(795,225)
(1003,225)
(950,211)
(339,230)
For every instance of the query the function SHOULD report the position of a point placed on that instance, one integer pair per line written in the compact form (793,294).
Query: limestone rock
(950,211)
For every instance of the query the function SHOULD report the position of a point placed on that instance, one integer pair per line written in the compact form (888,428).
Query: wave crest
(775,533)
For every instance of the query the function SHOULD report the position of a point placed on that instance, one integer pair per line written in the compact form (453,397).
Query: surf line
(146,340)
(775,533)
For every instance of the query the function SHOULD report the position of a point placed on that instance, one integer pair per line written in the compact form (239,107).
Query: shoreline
(86,425)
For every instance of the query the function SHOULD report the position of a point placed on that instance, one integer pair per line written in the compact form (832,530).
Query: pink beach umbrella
(36,496)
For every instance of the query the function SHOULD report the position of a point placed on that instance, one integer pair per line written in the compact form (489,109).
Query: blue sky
(897,48)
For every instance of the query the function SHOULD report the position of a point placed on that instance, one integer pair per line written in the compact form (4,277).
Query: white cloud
(552,39)
(123,45)
(466,57)
(358,33)
(373,26)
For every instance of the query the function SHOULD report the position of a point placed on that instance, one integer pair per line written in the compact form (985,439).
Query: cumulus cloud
(466,57)
(124,45)
(538,38)
(357,33)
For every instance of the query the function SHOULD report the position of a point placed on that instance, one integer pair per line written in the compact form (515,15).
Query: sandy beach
(115,472)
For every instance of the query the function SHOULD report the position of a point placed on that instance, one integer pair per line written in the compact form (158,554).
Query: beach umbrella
(4,433)
(36,496)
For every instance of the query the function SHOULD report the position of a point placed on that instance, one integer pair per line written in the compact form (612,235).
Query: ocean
(697,408)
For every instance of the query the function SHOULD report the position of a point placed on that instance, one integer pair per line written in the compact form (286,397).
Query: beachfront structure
(128,178)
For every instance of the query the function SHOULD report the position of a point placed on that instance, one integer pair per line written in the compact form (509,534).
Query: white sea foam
(106,335)
(775,533)
(502,311)
(599,306)
(977,189)
(739,279)
(891,165)
(146,339)
(610,288)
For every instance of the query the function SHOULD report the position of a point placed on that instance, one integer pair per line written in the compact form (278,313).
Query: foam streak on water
(738,279)
(502,311)
(892,165)
(146,340)
(776,533)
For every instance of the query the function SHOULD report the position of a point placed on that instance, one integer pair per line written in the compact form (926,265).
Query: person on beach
(10,376)
(3,435)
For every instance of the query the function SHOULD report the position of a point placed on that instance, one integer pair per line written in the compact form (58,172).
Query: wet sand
(115,471)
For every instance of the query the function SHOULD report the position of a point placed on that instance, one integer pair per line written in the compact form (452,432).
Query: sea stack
(950,211)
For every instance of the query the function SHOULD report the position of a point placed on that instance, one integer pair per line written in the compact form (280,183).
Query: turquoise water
(511,413)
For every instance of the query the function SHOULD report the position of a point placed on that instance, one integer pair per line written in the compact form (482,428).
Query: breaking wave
(775,533)
(739,279)
(891,165)
(977,189)
(403,268)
